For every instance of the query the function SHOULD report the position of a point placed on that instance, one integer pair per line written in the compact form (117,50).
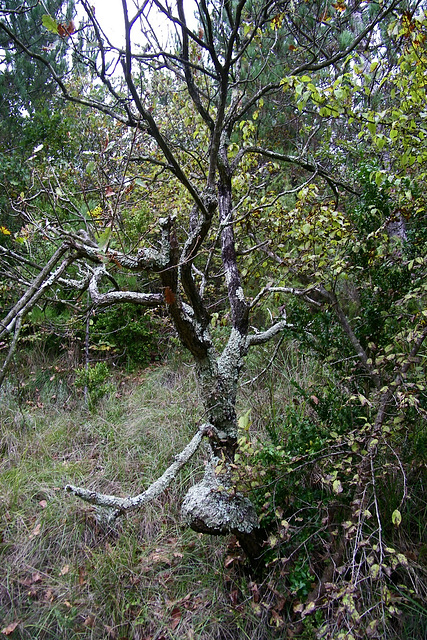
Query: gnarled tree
(195,96)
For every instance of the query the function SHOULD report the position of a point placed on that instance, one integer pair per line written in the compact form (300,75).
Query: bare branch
(114,297)
(118,506)
(264,336)
(12,348)
(44,280)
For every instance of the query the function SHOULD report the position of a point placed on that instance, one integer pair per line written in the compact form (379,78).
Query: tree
(208,146)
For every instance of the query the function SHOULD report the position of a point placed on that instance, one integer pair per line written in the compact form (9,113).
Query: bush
(94,380)
(129,331)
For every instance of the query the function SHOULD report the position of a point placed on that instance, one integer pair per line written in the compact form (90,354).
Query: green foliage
(330,471)
(94,380)
(25,83)
(130,331)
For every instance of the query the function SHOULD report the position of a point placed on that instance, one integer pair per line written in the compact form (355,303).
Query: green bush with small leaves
(94,379)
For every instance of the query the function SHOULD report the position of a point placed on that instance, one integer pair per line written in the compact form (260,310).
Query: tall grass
(64,577)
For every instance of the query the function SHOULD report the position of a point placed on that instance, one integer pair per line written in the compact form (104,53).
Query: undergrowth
(64,576)
(61,574)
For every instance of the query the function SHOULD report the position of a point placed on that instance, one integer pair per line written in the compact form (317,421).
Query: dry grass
(61,575)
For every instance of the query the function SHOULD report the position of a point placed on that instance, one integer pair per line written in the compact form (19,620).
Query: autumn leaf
(82,576)
(89,622)
(4,231)
(36,577)
(229,560)
(65,569)
(176,617)
(169,296)
(65,30)
(36,531)
(49,597)
(10,628)
(112,633)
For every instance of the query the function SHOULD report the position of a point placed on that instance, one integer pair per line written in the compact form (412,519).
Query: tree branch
(118,506)
(113,297)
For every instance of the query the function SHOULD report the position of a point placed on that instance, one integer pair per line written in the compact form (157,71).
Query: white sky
(110,16)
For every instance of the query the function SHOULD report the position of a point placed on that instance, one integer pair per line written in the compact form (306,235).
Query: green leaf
(380,141)
(396,517)
(337,487)
(372,127)
(375,570)
(50,23)
(103,238)
(245,420)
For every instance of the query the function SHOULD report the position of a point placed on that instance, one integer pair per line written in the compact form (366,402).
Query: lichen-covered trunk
(213,506)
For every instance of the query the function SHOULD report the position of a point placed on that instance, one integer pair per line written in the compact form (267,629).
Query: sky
(110,17)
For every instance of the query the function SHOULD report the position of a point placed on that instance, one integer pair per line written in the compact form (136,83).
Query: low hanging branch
(113,297)
(118,506)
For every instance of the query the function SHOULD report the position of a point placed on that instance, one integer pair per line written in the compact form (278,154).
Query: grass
(63,576)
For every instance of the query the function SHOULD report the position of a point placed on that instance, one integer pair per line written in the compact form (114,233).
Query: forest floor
(62,575)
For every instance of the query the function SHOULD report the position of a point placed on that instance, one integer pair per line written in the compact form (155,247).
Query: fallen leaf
(89,622)
(176,617)
(35,531)
(160,558)
(229,560)
(49,597)
(65,569)
(27,582)
(10,628)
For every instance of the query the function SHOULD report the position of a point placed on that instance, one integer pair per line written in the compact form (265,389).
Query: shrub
(94,380)
(128,330)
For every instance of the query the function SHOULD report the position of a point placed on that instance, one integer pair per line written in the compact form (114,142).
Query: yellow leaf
(396,517)
(337,487)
